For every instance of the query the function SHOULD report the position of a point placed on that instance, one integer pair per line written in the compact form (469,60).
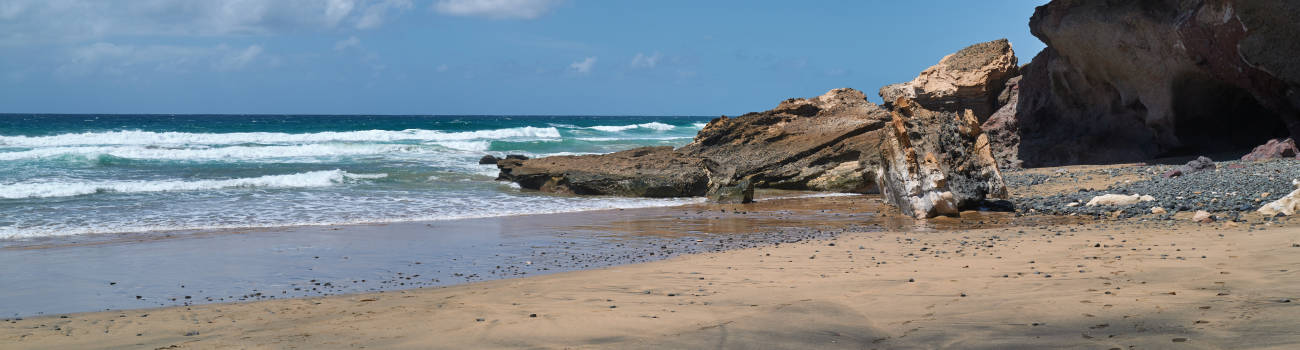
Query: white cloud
(583,66)
(373,15)
(43,21)
(496,9)
(239,60)
(121,60)
(345,44)
(646,62)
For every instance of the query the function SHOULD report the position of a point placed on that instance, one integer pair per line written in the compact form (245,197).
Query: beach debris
(1203,217)
(1199,164)
(1119,200)
(1286,206)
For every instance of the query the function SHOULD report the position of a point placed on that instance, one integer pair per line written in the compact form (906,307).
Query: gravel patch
(1235,187)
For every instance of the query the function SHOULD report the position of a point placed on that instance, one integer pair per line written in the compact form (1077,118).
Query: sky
(511,57)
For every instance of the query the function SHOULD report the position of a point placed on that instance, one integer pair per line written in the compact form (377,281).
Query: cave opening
(1215,118)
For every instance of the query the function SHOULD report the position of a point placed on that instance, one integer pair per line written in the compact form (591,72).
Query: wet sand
(1082,285)
(114,272)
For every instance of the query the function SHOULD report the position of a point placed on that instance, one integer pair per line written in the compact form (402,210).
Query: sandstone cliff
(1132,80)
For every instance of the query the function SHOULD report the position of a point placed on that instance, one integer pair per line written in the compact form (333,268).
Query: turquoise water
(94,174)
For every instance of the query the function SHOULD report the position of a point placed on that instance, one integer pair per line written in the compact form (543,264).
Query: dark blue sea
(96,174)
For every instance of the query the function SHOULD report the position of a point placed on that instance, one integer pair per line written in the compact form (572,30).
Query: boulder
(1203,217)
(972,78)
(488,159)
(1132,80)
(936,162)
(516,157)
(1275,148)
(802,144)
(1287,205)
(640,172)
(1199,164)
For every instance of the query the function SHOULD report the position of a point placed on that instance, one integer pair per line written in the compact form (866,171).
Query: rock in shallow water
(640,172)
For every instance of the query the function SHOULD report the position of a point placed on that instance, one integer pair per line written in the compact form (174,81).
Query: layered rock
(641,172)
(1132,80)
(802,144)
(936,163)
(928,163)
(972,78)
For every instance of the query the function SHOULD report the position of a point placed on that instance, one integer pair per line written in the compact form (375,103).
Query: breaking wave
(322,178)
(185,138)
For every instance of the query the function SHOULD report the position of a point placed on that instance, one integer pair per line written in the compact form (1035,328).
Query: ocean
(64,175)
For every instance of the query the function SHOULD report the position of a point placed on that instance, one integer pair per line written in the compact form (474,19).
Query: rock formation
(972,78)
(1002,129)
(802,144)
(1132,80)
(641,172)
(927,162)
(936,163)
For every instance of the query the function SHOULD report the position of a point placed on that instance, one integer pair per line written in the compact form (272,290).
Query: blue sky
(587,57)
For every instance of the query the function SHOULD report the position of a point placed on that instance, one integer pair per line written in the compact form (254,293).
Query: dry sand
(1094,286)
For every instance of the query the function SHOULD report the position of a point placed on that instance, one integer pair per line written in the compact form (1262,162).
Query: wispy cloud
(348,43)
(122,60)
(496,9)
(43,21)
(584,66)
(641,61)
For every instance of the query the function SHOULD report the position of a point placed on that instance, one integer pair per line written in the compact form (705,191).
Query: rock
(815,143)
(1275,148)
(1287,205)
(516,157)
(1128,81)
(1203,217)
(936,163)
(488,159)
(739,191)
(640,172)
(1072,204)
(971,78)
(1118,200)
(1158,210)
(1003,131)
(1201,163)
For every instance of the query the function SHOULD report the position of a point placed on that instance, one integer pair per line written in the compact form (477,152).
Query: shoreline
(326,260)
(56,241)
(330,260)
(1084,284)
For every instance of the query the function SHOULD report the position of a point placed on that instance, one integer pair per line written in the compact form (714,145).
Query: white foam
(234,153)
(476,146)
(183,138)
(67,189)
(366,211)
(699,125)
(616,128)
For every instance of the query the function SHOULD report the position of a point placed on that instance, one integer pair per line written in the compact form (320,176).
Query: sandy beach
(1084,285)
